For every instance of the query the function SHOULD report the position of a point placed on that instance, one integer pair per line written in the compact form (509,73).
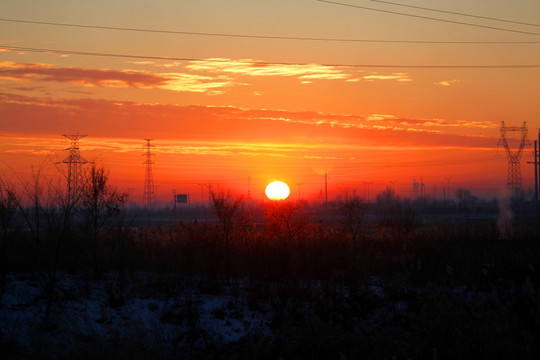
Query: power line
(429,18)
(262,63)
(456,13)
(265,37)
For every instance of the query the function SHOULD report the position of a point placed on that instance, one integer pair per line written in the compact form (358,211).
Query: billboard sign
(182,198)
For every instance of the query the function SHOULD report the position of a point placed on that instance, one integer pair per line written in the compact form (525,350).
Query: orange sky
(240,112)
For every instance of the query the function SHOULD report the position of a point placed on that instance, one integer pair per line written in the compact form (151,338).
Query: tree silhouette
(101,204)
(227,210)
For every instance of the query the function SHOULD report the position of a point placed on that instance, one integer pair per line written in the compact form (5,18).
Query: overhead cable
(457,13)
(429,18)
(263,37)
(264,63)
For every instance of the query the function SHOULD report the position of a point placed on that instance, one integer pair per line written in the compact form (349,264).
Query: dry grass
(450,289)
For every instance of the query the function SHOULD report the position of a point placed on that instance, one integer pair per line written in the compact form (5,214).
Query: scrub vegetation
(398,278)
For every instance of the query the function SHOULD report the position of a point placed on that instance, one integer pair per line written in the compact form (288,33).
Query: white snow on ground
(229,319)
(82,312)
(143,310)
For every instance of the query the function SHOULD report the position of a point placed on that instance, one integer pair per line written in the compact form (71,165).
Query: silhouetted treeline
(469,278)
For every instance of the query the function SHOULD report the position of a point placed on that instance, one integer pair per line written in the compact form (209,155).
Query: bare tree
(8,207)
(101,203)
(48,211)
(227,210)
(286,219)
(31,202)
(353,210)
(58,211)
(398,217)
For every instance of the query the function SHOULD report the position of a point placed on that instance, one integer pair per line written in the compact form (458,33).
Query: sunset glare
(277,190)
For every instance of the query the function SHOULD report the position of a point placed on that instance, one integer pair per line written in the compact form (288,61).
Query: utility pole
(448,186)
(130,190)
(209,185)
(393,186)
(325,186)
(536,171)
(367,183)
(422,190)
(202,192)
(536,164)
(415,185)
(298,185)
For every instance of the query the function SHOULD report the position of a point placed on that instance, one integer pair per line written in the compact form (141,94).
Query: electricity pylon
(513,154)
(149,195)
(74,161)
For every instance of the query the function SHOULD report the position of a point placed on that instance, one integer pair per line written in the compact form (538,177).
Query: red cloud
(30,115)
(87,77)
(13,71)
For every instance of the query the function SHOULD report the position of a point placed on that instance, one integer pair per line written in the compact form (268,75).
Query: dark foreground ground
(191,290)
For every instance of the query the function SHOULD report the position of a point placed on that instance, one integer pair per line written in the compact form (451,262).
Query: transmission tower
(74,161)
(149,195)
(513,154)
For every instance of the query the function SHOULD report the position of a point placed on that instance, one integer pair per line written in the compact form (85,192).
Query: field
(344,280)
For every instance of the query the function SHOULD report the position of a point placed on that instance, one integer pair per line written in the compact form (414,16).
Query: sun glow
(277,190)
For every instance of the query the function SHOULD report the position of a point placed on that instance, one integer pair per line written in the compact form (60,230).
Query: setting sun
(277,190)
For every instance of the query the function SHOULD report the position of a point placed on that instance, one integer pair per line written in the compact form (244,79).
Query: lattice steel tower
(513,154)
(74,161)
(149,195)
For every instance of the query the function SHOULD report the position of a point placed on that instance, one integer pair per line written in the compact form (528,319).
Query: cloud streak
(232,124)
(73,75)
(447,82)
(180,82)
(400,77)
(249,67)
(54,147)
(210,77)
(195,83)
